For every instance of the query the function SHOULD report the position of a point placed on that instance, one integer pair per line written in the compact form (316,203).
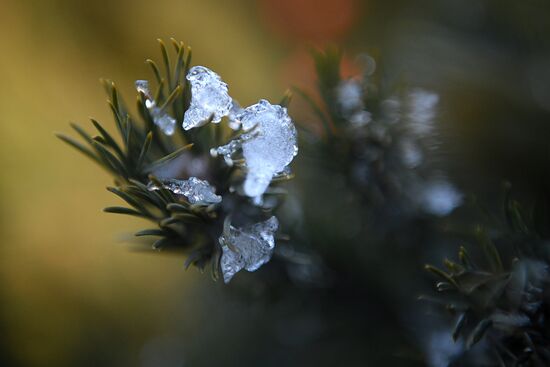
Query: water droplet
(195,190)
(163,120)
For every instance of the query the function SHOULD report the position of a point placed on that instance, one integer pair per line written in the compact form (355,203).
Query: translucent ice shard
(209,97)
(227,150)
(268,146)
(194,189)
(247,248)
(271,149)
(163,120)
(166,123)
(236,110)
(142,86)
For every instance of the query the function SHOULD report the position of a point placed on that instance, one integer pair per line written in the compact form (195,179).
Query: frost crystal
(194,189)
(209,97)
(247,248)
(227,150)
(236,110)
(163,120)
(267,149)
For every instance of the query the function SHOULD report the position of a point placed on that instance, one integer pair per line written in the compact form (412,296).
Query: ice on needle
(267,149)
(233,115)
(247,248)
(209,97)
(194,189)
(163,120)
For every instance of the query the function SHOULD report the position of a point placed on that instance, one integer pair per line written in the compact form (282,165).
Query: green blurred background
(73,293)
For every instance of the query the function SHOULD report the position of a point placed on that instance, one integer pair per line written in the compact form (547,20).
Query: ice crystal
(271,146)
(163,120)
(247,248)
(209,98)
(227,150)
(194,189)
(234,112)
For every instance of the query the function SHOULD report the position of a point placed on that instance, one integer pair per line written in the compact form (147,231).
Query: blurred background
(74,294)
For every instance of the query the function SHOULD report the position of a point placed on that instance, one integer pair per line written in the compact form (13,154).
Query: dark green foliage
(503,301)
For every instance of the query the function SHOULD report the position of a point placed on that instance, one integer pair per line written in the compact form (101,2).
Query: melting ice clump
(271,149)
(247,248)
(194,189)
(163,120)
(267,149)
(234,112)
(209,97)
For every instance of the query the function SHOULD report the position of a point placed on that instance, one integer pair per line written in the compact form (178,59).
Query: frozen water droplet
(247,248)
(163,120)
(227,150)
(194,189)
(209,97)
(142,86)
(268,147)
(272,146)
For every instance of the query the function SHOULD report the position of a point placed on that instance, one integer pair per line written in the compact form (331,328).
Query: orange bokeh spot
(313,21)
(298,70)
